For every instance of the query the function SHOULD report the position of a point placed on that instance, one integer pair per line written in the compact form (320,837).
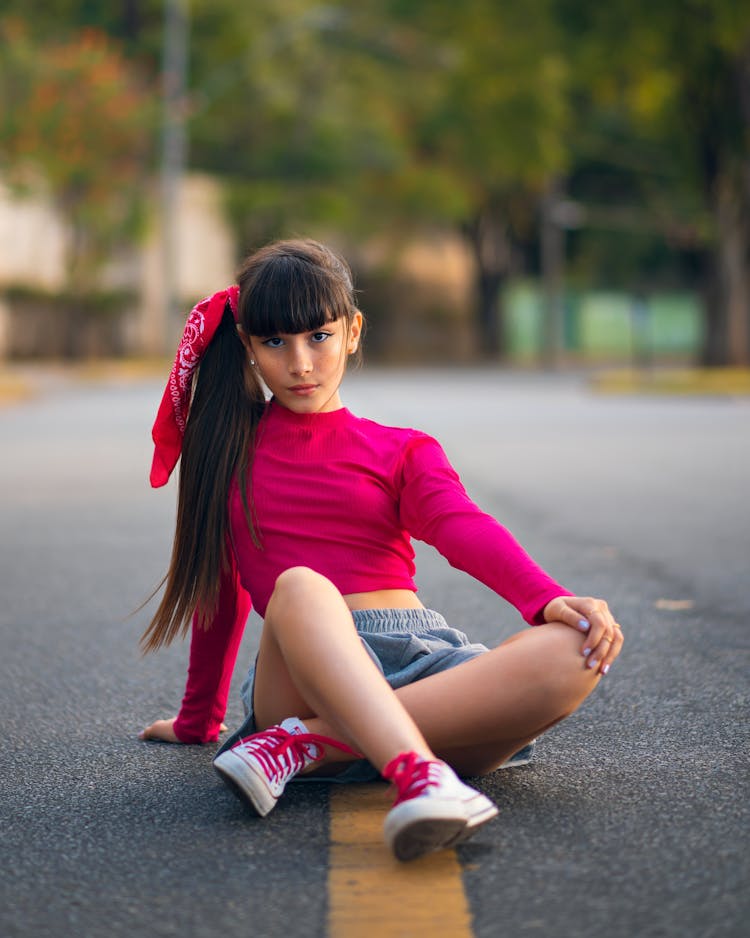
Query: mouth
(303,389)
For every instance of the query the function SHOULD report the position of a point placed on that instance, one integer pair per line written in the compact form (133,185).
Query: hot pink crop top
(344,496)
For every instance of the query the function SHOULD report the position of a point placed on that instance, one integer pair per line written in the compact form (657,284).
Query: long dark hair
(285,287)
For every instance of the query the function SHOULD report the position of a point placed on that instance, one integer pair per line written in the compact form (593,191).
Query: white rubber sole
(245,782)
(423,825)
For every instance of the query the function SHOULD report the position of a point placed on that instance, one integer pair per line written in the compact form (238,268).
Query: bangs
(293,295)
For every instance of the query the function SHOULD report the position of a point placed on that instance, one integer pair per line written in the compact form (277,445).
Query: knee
(295,578)
(296,585)
(559,640)
(561,665)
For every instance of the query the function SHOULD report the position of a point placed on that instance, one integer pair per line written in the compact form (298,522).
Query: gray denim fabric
(406,645)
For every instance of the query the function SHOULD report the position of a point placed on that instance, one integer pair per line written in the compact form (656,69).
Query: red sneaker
(433,809)
(258,767)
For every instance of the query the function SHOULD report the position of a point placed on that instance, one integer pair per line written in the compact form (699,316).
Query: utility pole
(174,151)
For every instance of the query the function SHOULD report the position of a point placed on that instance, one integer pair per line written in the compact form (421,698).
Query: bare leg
(477,715)
(312,664)
(309,634)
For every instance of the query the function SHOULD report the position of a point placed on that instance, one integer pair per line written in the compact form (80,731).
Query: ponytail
(289,286)
(224,413)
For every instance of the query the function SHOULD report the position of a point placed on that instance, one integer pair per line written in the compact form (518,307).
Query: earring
(252,361)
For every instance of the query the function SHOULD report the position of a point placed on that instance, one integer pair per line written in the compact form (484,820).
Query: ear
(246,341)
(355,331)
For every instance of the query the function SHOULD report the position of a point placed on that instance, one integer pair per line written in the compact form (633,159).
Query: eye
(273,342)
(320,336)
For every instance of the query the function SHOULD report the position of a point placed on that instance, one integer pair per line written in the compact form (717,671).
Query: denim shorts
(405,645)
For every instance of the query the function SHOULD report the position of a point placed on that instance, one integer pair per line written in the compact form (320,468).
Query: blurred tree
(295,104)
(383,118)
(662,146)
(393,117)
(135,24)
(709,42)
(75,125)
(485,125)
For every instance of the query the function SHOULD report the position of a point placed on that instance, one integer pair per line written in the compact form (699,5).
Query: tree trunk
(490,337)
(733,258)
(713,350)
(75,279)
(726,170)
(727,338)
(490,242)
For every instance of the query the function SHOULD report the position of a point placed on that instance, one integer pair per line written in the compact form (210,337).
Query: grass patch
(727,382)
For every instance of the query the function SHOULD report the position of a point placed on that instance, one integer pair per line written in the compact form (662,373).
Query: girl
(306,510)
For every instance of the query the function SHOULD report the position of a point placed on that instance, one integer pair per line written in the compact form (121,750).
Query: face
(304,370)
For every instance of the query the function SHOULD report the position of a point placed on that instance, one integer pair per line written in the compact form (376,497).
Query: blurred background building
(554,182)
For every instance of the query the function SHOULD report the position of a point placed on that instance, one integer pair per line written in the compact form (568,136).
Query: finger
(569,614)
(602,627)
(598,653)
(597,642)
(598,614)
(579,622)
(594,615)
(606,651)
(159,730)
(148,733)
(614,650)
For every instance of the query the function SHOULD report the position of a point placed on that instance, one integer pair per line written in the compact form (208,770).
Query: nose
(299,362)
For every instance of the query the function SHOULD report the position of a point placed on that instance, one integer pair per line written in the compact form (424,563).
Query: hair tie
(171,418)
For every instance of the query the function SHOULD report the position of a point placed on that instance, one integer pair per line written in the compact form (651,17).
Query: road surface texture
(631,821)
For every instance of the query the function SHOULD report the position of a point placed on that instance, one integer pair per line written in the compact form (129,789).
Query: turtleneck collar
(283,415)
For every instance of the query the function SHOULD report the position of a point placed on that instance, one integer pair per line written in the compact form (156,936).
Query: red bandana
(169,426)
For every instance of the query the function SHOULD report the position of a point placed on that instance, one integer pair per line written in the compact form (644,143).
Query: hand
(591,616)
(160,730)
(163,731)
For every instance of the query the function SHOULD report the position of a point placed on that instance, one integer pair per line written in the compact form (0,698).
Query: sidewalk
(21,381)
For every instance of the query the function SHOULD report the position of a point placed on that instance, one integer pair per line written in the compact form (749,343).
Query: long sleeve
(435,508)
(213,652)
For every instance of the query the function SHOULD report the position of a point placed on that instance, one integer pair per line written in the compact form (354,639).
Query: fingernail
(605,669)
(586,652)
(593,662)
(583,625)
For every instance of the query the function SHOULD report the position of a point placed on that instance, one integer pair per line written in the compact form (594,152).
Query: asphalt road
(632,821)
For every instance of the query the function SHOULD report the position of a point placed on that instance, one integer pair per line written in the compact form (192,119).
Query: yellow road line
(371,894)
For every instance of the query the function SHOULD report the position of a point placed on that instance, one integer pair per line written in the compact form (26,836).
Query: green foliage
(662,152)
(296,103)
(76,125)
(501,111)
(376,119)
(135,25)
